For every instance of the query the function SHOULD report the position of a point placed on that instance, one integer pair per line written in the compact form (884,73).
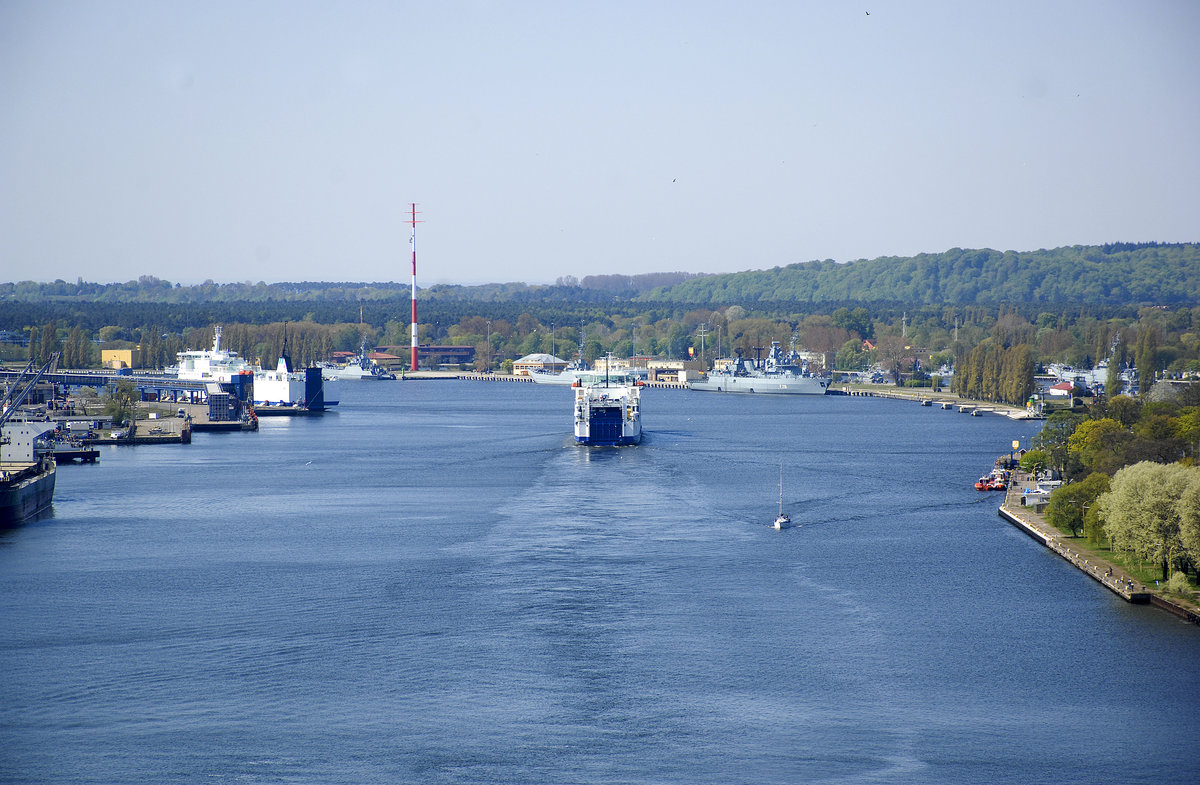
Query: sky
(285,140)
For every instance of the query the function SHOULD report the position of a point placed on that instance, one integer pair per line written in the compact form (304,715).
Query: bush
(1179,584)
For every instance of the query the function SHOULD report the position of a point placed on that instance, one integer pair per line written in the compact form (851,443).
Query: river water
(434,585)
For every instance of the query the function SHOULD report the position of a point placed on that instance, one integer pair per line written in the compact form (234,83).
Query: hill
(1114,274)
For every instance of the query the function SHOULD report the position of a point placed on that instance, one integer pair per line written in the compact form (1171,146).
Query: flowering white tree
(1141,511)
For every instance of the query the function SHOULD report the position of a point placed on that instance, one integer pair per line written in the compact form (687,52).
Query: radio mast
(413,241)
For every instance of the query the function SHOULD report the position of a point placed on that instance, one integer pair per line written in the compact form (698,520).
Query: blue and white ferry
(607,411)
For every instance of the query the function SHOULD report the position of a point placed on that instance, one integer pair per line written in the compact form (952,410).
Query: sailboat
(782,519)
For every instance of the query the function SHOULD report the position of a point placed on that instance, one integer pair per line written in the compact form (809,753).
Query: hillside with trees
(1114,274)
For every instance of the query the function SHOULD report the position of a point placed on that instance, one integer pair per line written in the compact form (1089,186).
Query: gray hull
(765,385)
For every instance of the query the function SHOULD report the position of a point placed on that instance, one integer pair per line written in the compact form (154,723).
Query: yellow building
(121,358)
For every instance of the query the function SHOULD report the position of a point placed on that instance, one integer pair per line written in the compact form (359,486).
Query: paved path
(1111,576)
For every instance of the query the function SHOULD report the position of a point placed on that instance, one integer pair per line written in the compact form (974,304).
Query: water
(434,585)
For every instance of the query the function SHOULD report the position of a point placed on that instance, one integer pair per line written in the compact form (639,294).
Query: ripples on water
(434,584)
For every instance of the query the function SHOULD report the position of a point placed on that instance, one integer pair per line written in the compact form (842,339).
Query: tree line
(1113,274)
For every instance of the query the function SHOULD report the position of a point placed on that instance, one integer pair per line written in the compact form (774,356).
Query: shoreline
(1107,574)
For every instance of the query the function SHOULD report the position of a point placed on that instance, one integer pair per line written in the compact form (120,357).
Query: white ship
(776,375)
(281,386)
(607,410)
(213,365)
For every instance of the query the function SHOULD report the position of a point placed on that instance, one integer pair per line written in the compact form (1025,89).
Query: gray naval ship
(778,374)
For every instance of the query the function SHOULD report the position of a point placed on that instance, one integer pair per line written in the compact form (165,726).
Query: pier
(150,386)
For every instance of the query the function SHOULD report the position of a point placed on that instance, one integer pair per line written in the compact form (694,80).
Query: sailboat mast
(781,487)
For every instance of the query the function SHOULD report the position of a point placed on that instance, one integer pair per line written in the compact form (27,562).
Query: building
(428,355)
(539,362)
(441,356)
(386,361)
(816,361)
(121,358)
(673,370)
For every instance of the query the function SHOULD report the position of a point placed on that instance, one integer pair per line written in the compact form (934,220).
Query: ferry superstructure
(607,411)
(777,375)
(215,364)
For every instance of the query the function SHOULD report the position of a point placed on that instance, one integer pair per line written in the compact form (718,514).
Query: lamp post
(489,346)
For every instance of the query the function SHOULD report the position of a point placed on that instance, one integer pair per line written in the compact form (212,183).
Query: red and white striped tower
(413,240)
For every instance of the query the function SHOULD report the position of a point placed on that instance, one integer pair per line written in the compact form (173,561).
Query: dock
(943,400)
(72,453)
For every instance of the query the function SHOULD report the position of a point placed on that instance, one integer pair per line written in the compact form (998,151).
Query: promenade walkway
(1109,575)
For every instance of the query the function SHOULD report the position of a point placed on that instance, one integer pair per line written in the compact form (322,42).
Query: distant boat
(360,366)
(782,519)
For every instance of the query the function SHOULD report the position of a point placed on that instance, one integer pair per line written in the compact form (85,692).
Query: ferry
(776,375)
(607,411)
(281,386)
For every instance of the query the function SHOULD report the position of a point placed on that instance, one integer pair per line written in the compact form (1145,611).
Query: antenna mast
(413,241)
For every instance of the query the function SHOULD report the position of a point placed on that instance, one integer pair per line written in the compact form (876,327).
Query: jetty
(1109,575)
(939,399)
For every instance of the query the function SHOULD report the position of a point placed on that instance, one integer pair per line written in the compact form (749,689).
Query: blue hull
(620,442)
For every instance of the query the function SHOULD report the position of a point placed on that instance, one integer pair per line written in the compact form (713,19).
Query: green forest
(1114,274)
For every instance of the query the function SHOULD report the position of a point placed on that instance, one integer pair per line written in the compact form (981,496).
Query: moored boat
(775,375)
(26,489)
(360,366)
(27,473)
(281,386)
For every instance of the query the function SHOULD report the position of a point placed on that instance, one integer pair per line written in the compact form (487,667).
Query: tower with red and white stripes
(413,241)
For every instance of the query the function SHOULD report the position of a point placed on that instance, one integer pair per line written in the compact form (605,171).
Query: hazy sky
(282,140)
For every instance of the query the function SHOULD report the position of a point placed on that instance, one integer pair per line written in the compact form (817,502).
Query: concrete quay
(1108,575)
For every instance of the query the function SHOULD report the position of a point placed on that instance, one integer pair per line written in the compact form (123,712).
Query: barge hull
(25,493)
